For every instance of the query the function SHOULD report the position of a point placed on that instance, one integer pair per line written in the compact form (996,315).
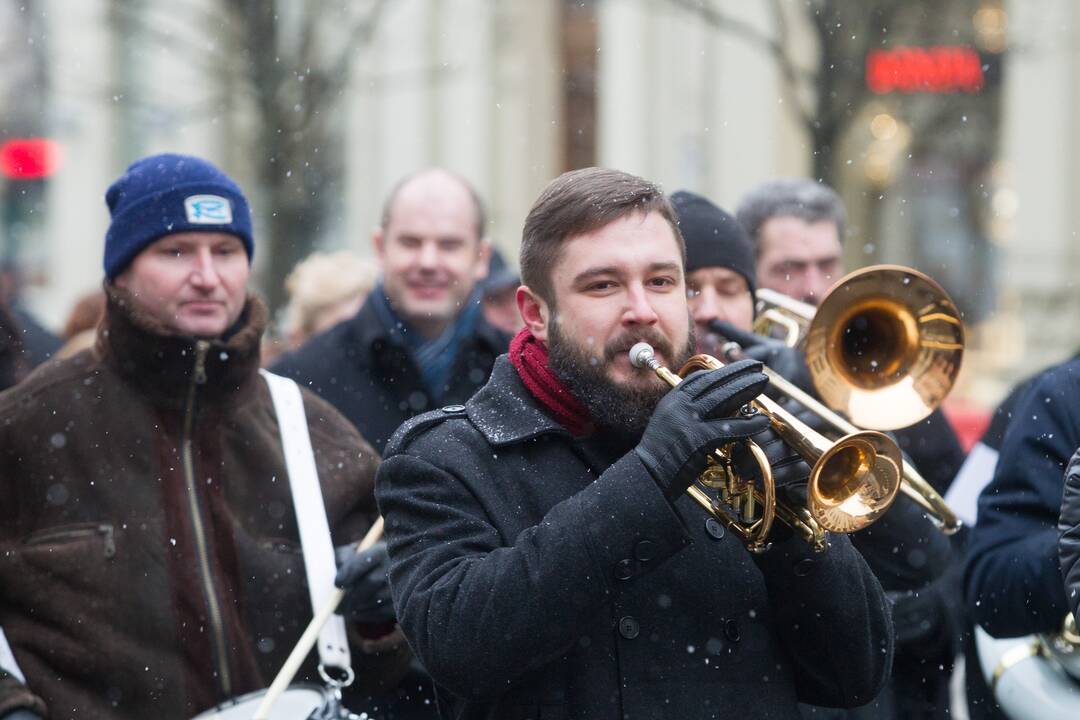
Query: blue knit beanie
(165,194)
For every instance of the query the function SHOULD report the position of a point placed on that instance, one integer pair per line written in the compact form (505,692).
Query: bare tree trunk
(300,145)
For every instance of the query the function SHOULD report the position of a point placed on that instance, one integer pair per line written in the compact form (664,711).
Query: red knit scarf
(530,359)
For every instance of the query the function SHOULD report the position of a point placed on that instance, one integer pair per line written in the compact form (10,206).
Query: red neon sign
(924,70)
(29,158)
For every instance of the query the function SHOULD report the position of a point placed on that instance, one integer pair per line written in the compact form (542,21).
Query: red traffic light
(29,158)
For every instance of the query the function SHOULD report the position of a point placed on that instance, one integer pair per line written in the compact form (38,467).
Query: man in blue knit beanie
(178,206)
(150,554)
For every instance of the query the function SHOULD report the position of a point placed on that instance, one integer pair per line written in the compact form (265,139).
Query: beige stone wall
(693,106)
(470,85)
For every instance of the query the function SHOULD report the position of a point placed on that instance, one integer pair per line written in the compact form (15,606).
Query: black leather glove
(696,417)
(363,576)
(788,467)
(788,362)
(21,714)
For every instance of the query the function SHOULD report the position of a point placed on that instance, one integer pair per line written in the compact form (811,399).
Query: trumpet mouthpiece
(642,356)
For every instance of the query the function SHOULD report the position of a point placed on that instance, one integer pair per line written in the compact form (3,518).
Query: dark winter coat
(141,580)
(366,372)
(980,699)
(934,448)
(538,576)
(910,557)
(38,343)
(1012,578)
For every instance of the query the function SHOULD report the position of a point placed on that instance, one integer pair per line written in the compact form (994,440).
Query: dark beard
(624,410)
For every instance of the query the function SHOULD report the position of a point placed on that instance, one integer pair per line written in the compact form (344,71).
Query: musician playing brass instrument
(904,549)
(545,558)
(797,228)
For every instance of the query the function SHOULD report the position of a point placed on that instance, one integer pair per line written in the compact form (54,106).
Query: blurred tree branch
(297,65)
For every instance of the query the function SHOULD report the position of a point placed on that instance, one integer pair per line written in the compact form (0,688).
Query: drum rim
(254,694)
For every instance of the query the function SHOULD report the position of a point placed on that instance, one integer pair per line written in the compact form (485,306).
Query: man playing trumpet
(545,559)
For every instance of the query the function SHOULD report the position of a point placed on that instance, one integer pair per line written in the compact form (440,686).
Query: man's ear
(378,242)
(483,261)
(535,312)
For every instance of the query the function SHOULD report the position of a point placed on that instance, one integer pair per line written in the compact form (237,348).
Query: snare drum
(298,702)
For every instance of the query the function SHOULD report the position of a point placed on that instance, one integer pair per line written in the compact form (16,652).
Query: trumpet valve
(719,472)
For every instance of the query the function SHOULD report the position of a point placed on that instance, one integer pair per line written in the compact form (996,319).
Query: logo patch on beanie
(208,210)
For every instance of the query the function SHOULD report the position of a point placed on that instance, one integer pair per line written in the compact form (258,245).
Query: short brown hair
(578,202)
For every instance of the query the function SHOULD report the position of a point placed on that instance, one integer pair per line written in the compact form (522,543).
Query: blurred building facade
(975,187)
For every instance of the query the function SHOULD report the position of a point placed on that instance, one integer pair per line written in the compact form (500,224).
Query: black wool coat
(539,576)
(366,372)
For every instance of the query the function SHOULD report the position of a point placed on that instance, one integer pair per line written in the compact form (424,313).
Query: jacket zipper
(217,626)
(75,532)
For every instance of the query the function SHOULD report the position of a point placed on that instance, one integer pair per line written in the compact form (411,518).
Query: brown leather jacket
(149,553)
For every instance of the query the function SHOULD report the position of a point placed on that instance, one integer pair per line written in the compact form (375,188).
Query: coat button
(453,408)
(629,628)
(625,569)
(803,567)
(714,528)
(645,550)
(731,630)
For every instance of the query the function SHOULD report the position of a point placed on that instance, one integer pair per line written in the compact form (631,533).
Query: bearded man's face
(586,372)
(614,287)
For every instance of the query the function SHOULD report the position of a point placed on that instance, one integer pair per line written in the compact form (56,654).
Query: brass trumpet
(884,348)
(853,481)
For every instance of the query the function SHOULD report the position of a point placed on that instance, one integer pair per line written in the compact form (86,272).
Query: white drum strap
(307,498)
(7,659)
(974,475)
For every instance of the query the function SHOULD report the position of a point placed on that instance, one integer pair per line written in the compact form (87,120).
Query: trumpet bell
(885,346)
(854,482)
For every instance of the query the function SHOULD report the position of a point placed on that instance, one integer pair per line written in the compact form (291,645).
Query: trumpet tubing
(776,309)
(912,483)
